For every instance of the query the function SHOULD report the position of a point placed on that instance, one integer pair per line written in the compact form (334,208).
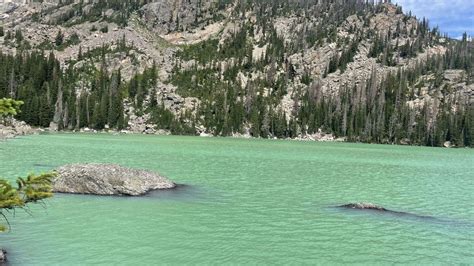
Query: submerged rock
(107,179)
(363,206)
(373,207)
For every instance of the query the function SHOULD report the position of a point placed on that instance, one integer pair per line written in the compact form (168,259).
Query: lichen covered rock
(107,179)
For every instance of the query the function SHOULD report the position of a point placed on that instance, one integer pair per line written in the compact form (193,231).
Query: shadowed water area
(248,202)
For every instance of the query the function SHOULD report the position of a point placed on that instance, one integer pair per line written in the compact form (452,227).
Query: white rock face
(171,15)
(107,179)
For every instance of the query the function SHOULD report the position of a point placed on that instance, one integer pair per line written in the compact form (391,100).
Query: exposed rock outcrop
(171,15)
(15,128)
(107,179)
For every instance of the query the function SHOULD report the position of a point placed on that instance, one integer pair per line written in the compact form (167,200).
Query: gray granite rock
(107,179)
(15,128)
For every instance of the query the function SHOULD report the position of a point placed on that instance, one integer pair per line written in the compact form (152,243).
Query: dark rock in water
(400,214)
(43,165)
(373,207)
(3,256)
(107,179)
(363,206)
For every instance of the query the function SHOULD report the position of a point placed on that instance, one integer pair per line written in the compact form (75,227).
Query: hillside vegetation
(273,69)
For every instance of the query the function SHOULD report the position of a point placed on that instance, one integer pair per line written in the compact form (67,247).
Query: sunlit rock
(108,179)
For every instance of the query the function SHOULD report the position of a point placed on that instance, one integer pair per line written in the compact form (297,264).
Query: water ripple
(248,202)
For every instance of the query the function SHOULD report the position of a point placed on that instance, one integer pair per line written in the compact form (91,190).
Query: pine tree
(32,189)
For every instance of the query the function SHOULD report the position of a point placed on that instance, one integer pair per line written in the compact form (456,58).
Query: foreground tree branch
(32,189)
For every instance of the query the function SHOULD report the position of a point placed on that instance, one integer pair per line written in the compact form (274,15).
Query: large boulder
(107,179)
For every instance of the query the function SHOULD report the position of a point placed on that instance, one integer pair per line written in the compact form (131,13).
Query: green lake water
(247,202)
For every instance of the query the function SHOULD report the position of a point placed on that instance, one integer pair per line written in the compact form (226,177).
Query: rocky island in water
(107,179)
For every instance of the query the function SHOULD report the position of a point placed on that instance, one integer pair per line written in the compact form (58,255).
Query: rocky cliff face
(168,16)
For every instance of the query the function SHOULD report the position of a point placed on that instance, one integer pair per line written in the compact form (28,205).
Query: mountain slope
(286,69)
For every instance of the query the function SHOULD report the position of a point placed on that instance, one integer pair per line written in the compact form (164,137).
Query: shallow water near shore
(247,202)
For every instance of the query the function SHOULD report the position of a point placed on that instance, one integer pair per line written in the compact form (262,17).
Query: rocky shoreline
(317,137)
(16,128)
(20,128)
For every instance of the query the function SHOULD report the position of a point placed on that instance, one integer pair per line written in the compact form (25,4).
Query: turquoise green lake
(247,202)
